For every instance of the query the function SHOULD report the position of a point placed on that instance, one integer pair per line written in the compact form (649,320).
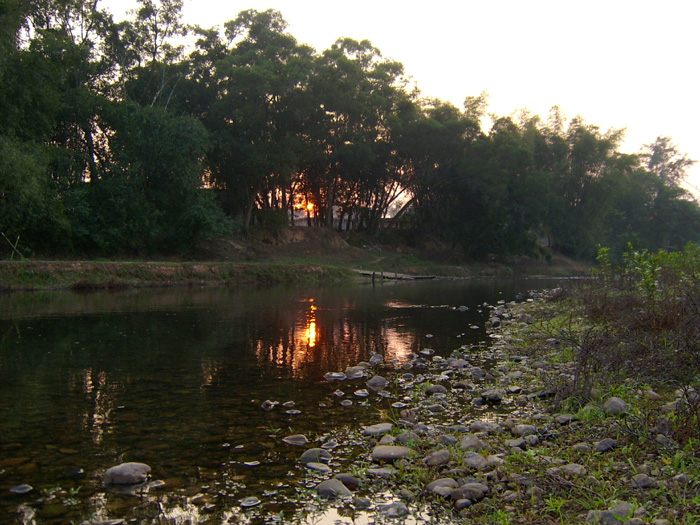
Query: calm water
(175,378)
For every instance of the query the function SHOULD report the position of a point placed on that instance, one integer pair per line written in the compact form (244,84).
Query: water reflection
(175,378)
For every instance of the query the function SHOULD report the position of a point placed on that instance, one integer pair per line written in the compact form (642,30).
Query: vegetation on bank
(632,332)
(144,137)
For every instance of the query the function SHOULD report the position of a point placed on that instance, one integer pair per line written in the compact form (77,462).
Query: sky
(616,63)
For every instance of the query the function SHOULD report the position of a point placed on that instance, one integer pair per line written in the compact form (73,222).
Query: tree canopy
(146,136)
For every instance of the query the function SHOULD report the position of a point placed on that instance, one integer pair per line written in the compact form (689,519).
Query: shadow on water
(175,378)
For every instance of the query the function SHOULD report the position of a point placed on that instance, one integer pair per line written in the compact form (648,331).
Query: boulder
(127,474)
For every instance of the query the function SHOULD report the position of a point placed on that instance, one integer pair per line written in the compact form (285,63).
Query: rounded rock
(389,452)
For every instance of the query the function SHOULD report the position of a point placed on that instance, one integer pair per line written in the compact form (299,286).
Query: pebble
(605,445)
(21,489)
(332,488)
(394,510)
(389,452)
(296,440)
(438,458)
(378,429)
(249,502)
(315,455)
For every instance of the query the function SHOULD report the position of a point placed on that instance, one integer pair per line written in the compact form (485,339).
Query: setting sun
(310,207)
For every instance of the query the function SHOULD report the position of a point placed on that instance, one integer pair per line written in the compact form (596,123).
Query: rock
(615,406)
(249,502)
(492,396)
(21,489)
(438,458)
(318,467)
(332,488)
(408,439)
(268,405)
(605,445)
(127,474)
(317,455)
(532,440)
(378,429)
(564,419)
(467,492)
(376,359)
(484,426)
(436,408)
(516,443)
(335,376)
(472,442)
(387,439)
(447,440)
(462,504)
(348,480)
(377,383)
(394,510)
(622,509)
(389,453)
(297,440)
(436,389)
(355,372)
(475,460)
(524,430)
(602,517)
(381,472)
(448,483)
(644,481)
(362,503)
(581,447)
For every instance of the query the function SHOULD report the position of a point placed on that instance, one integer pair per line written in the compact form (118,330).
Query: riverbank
(532,456)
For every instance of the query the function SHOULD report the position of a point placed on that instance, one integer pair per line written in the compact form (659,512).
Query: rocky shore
(485,436)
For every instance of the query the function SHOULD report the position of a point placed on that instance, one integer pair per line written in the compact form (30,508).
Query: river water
(175,378)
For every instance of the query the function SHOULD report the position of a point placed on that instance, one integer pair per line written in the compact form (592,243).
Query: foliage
(120,138)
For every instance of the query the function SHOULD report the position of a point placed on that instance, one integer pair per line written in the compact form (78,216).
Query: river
(176,378)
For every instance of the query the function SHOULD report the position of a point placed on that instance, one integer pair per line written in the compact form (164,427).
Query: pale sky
(617,63)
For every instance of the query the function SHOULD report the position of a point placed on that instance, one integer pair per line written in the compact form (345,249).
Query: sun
(310,206)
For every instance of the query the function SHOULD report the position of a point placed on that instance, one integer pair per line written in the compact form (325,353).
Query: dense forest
(145,136)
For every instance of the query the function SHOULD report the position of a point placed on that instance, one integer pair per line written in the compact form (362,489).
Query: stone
(381,472)
(622,509)
(249,502)
(387,439)
(378,429)
(484,426)
(127,474)
(466,492)
(644,481)
(408,439)
(318,467)
(564,419)
(332,488)
(397,509)
(581,447)
(389,453)
(475,460)
(605,445)
(377,383)
(448,483)
(297,440)
(21,489)
(492,396)
(348,480)
(355,372)
(447,440)
(472,442)
(436,389)
(438,458)
(335,376)
(516,443)
(615,406)
(317,455)
(524,430)
(362,503)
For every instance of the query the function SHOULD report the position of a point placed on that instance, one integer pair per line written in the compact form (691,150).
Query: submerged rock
(296,439)
(317,455)
(377,383)
(127,474)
